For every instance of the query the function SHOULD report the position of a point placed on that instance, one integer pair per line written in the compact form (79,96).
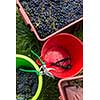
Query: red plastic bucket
(59,47)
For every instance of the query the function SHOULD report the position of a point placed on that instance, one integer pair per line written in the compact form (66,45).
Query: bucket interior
(22,62)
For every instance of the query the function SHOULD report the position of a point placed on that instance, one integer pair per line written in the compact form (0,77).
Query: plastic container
(61,46)
(22,60)
(32,28)
(65,93)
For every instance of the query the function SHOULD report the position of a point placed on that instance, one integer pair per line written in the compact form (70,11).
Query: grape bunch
(48,16)
(26,85)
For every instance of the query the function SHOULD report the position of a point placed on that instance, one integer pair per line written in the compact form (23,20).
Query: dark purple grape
(24,84)
(59,12)
(34,88)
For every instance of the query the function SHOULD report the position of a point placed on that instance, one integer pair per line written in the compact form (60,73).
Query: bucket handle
(30,71)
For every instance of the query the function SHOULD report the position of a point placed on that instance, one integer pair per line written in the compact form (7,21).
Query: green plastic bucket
(22,60)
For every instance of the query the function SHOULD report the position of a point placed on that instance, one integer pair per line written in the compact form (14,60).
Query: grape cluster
(48,16)
(26,85)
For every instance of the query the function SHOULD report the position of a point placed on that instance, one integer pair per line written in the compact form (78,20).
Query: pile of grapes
(48,16)
(26,85)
